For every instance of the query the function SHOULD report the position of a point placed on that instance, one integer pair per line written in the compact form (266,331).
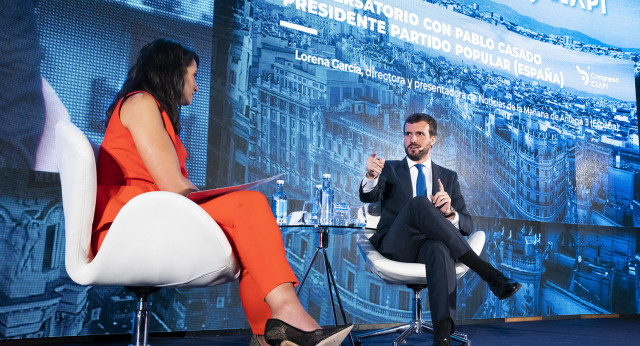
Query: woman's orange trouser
(246,219)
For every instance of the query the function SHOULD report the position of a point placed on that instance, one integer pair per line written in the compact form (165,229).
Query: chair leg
(385,331)
(461,338)
(140,328)
(414,328)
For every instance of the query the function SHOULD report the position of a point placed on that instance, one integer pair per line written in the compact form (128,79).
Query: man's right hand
(374,165)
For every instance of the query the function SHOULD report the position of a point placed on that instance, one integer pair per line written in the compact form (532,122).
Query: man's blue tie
(421,182)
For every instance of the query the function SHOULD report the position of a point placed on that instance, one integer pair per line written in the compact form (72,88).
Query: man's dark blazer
(394,190)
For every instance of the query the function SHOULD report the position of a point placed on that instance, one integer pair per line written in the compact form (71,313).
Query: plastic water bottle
(279,203)
(326,210)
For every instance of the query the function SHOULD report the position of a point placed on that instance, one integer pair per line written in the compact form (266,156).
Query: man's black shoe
(441,341)
(504,287)
(442,332)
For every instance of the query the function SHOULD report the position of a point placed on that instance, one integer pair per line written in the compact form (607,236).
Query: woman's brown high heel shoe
(254,341)
(280,333)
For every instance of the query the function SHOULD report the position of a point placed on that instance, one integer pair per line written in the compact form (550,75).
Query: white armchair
(159,239)
(413,275)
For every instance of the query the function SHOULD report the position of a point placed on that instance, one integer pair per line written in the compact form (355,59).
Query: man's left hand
(442,200)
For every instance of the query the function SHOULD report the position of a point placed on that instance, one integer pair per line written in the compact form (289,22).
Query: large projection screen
(536,102)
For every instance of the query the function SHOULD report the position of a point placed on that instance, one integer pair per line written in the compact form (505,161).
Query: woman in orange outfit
(142,152)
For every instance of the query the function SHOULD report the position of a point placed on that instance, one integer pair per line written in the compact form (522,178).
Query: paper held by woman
(204,195)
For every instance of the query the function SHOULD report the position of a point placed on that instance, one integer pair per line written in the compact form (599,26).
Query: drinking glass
(341,214)
(358,217)
(310,213)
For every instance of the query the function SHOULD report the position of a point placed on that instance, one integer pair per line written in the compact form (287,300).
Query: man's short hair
(418,117)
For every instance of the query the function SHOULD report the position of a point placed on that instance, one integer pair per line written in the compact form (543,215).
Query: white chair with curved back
(413,275)
(158,239)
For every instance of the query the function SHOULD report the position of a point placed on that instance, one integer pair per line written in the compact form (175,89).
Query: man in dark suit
(424,218)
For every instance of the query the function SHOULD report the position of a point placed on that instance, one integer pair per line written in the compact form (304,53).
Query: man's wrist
(368,175)
(451,213)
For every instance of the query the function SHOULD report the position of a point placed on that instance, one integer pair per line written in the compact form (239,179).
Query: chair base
(416,326)
(140,324)
(408,329)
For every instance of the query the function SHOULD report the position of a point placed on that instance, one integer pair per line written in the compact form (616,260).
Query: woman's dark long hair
(159,70)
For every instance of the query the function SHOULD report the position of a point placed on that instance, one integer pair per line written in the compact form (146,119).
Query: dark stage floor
(582,332)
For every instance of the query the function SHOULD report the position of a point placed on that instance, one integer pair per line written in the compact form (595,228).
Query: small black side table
(322,244)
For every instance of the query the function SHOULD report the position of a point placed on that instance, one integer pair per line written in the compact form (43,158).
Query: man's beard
(417,156)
